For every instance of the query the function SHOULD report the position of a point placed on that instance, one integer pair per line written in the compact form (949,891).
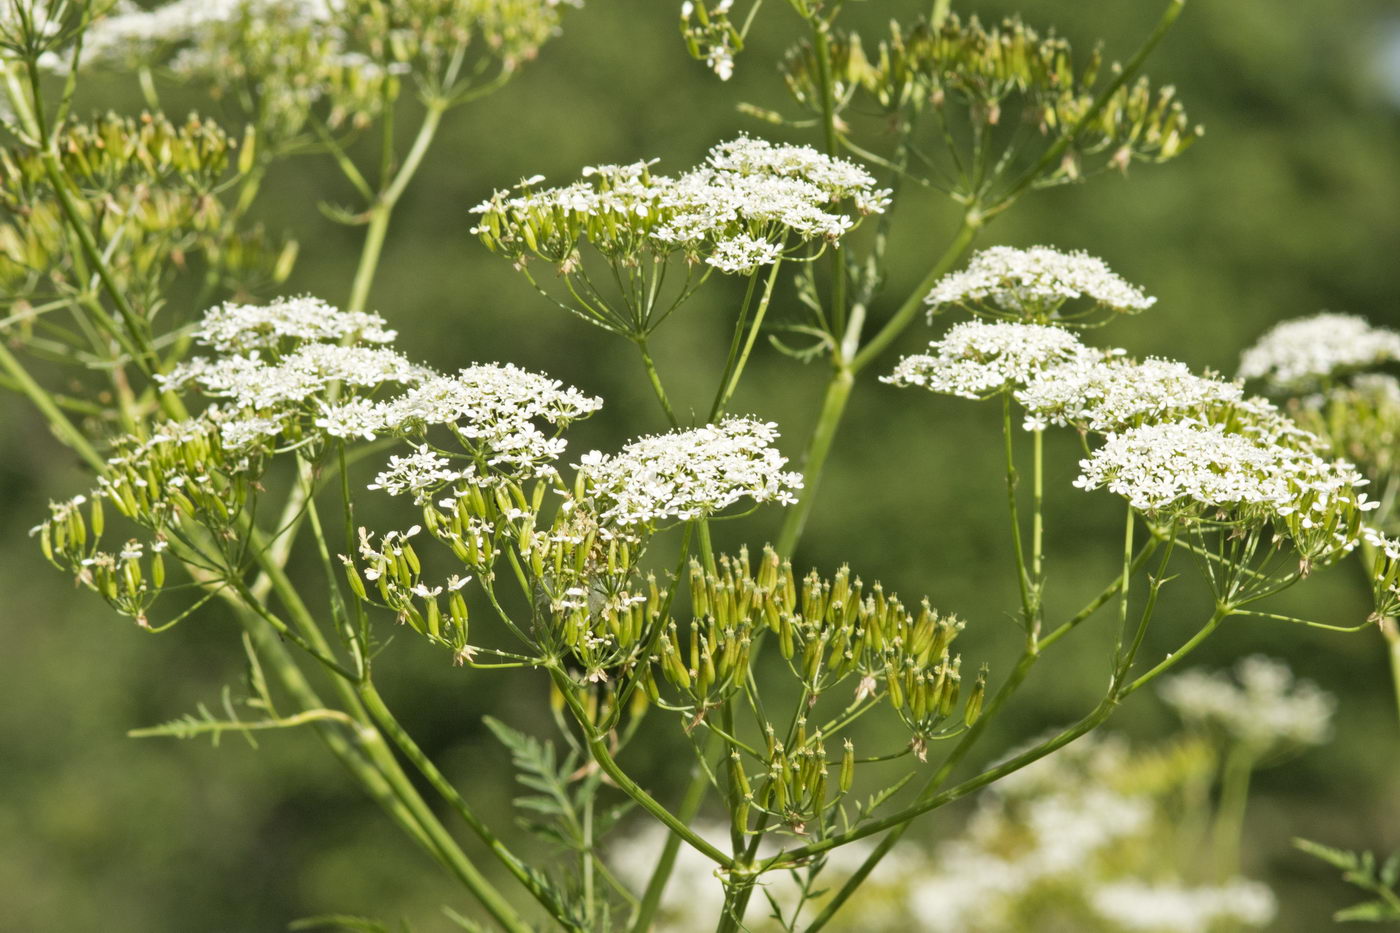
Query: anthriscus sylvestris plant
(225,436)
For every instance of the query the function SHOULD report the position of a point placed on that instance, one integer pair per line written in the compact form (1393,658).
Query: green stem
(65,429)
(383,208)
(1023,578)
(656,886)
(821,44)
(838,390)
(972,222)
(655,379)
(485,892)
(727,392)
(1392,636)
(598,746)
(838,393)
(1229,817)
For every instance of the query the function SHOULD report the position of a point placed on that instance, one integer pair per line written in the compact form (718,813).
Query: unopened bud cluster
(827,630)
(752,204)
(996,74)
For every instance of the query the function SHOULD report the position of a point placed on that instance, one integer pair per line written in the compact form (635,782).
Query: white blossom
(129,29)
(1299,353)
(976,358)
(1036,281)
(1262,706)
(1173,908)
(749,191)
(233,327)
(688,474)
(256,381)
(1111,393)
(743,254)
(1187,463)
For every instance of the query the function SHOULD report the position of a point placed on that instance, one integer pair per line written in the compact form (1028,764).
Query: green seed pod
(786,644)
(848,767)
(973,710)
(739,780)
(98,519)
(158,570)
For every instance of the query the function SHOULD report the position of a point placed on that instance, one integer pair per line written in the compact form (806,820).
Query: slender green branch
(655,379)
(972,222)
(727,392)
(49,408)
(838,393)
(666,862)
(383,207)
(598,746)
(490,898)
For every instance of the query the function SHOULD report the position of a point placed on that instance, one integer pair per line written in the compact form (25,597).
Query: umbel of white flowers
(1173,442)
(1036,284)
(297,375)
(1303,353)
(1264,707)
(751,203)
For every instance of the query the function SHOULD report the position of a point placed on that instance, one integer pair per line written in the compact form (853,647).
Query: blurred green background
(1290,204)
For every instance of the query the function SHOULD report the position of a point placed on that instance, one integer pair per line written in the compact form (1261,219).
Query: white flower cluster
(1263,706)
(1300,353)
(1170,908)
(1036,283)
(1187,464)
(839,178)
(742,254)
(737,212)
(261,381)
(233,327)
(129,29)
(976,359)
(1109,393)
(277,364)
(688,474)
(421,473)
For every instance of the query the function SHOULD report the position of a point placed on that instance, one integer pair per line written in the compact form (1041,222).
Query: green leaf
(1370,911)
(1337,858)
(1390,871)
(878,799)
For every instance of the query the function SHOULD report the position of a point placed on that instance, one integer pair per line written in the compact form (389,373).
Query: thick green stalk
(838,390)
(383,208)
(1229,817)
(838,393)
(485,892)
(42,400)
(656,886)
(387,723)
